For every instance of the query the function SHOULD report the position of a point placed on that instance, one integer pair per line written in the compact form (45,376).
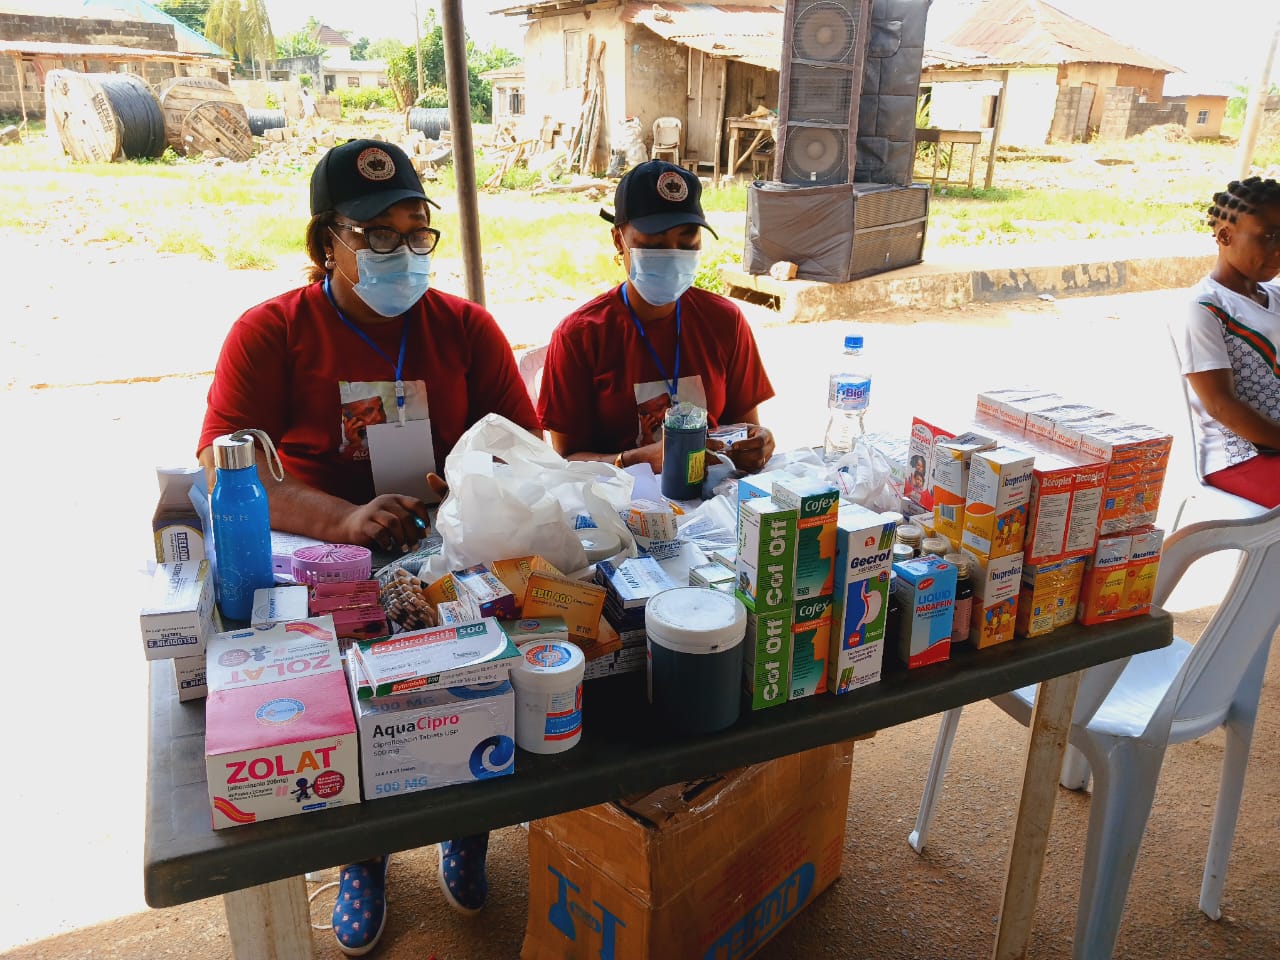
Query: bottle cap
(853,343)
(233,451)
(959,561)
(938,546)
(903,551)
(910,534)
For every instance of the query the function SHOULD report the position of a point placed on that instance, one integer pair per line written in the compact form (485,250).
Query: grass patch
(180,241)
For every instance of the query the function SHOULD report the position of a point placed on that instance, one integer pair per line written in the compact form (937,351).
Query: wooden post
(722,76)
(22,79)
(1253,113)
(995,130)
(270,922)
(464,158)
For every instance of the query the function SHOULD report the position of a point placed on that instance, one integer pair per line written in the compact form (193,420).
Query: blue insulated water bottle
(241,525)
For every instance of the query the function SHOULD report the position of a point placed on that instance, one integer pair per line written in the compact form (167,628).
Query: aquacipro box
(815,502)
(864,557)
(766,554)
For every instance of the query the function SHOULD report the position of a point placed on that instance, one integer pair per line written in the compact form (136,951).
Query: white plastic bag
(512,495)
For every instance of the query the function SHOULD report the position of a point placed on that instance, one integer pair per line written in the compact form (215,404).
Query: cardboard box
(815,503)
(441,657)
(924,437)
(190,677)
(766,658)
(995,598)
(995,508)
(1062,513)
(487,592)
(951,481)
(1008,405)
(1073,582)
(1120,577)
(577,602)
(926,591)
(766,561)
(176,524)
(1047,589)
(515,573)
(257,655)
(177,614)
(1136,457)
(864,557)
(810,644)
(713,868)
(434,738)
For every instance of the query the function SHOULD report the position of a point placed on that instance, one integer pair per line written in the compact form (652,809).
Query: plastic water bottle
(848,397)
(241,522)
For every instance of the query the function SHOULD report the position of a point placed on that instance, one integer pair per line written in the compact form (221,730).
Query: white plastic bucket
(547,678)
(694,637)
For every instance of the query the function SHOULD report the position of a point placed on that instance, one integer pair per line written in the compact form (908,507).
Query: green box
(766,658)
(766,558)
(816,503)
(810,644)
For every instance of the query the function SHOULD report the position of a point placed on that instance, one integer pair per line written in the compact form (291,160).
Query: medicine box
(1073,569)
(1136,457)
(434,738)
(543,629)
(176,524)
(280,748)
(577,602)
(864,558)
(713,575)
(925,588)
(766,554)
(815,502)
(1008,404)
(515,573)
(471,653)
(272,652)
(1047,589)
(1051,422)
(488,594)
(177,614)
(810,644)
(924,437)
(278,604)
(1062,513)
(995,509)
(995,598)
(756,485)
(190,678)
(951,481)
(766,658)
(1119,580)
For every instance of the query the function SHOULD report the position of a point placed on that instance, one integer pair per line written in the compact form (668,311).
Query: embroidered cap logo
(671,186)
(375,164)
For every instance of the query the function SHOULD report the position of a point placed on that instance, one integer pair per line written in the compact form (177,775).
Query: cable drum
(431,122)
(260,121)
(138,111)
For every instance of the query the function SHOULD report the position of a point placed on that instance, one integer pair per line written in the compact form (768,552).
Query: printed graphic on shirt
(1255,374)
(653,401)
(364,404)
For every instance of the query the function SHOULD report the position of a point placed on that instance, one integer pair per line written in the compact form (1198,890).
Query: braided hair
(1242,196)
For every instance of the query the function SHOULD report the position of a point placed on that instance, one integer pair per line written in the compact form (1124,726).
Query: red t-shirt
(291,367)
(603,389)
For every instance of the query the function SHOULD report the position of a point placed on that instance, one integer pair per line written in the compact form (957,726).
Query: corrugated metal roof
(752,34)
(1030,33)
(48,48)
(187,39)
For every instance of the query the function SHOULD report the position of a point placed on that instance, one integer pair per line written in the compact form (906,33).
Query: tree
(386,49)
(360,49)
(243,29)
(190,13)
(403,78)
(299,44)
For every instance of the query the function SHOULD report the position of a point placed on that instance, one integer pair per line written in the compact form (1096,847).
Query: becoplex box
(835,233)
(711,868)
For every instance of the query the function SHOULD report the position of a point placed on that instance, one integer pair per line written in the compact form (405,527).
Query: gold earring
(617,258)
(329,263)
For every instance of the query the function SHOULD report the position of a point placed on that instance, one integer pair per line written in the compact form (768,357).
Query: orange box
(578,602)
(515,571)
(951,481)
(1120,579)
(1137,457)
(1062,514)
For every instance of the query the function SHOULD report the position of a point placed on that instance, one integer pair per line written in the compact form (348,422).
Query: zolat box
(278,651)
(177,615)
(864,557)
(995,508)
(434,738)
(995,598)
(766,658)
(469,653)
(815,503)
(281,748)
(810,643)
(708,869)
(766,560)
(926,591)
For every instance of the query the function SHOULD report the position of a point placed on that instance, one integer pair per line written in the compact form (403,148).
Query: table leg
(1050,724)
(270,922)
(973,156)
(733,151)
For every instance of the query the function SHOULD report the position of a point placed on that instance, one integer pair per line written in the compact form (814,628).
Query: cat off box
(711,868)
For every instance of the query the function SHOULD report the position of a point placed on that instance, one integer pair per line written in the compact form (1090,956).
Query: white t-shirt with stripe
(1225,329)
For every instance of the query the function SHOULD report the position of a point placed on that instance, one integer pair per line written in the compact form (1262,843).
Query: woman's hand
(392,523)
(650,453)
(753,452)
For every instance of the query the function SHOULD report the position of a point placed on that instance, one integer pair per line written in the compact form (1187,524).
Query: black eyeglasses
(385,240)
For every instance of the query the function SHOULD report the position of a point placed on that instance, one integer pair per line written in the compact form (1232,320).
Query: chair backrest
(1244,623)
(530,363)
(666,132)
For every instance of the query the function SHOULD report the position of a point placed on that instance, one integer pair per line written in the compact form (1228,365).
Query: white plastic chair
(530,363)
(666,139)
(1172,695)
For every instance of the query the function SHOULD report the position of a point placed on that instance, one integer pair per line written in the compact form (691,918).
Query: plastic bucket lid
(599,544)
(547,666)
(695,620)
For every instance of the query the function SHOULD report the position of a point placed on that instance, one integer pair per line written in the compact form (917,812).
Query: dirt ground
(104,377)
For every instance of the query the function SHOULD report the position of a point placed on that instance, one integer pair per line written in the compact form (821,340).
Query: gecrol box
(864,556)
(277,651)
(281,748)
(706,869)
(436,737)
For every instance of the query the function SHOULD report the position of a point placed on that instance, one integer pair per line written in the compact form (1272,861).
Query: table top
(620,753)
(939,135)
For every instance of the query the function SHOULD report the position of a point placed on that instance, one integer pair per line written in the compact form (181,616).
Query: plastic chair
(530,363)
(1122,728)
(666,139)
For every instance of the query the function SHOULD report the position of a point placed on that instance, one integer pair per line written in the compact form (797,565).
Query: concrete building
(1205,102)
(508,92)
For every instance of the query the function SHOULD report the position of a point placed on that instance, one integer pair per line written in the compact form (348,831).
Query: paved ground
(105,378)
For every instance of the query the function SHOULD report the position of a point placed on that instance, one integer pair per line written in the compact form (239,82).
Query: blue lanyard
(673,383)
(404,339)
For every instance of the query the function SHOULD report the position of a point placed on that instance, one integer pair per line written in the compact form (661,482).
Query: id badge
(402,455)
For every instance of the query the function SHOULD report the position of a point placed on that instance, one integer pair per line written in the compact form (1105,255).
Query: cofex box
(810,644)
(815,503)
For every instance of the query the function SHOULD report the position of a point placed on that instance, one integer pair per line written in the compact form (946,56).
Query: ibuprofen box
(815,502)
(810,643)
(926,592)
(434,738)
(177,616)
(995,509)
(864,557)
(766,554)
(710,869)
(281,748)
(271,652)
(951,481)
(995,598)
(920,457)
(766,658)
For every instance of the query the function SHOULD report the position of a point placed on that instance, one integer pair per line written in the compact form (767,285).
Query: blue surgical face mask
(391,283)
(662,276)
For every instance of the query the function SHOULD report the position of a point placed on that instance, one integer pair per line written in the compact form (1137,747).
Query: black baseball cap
(655,196)
(361,178)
